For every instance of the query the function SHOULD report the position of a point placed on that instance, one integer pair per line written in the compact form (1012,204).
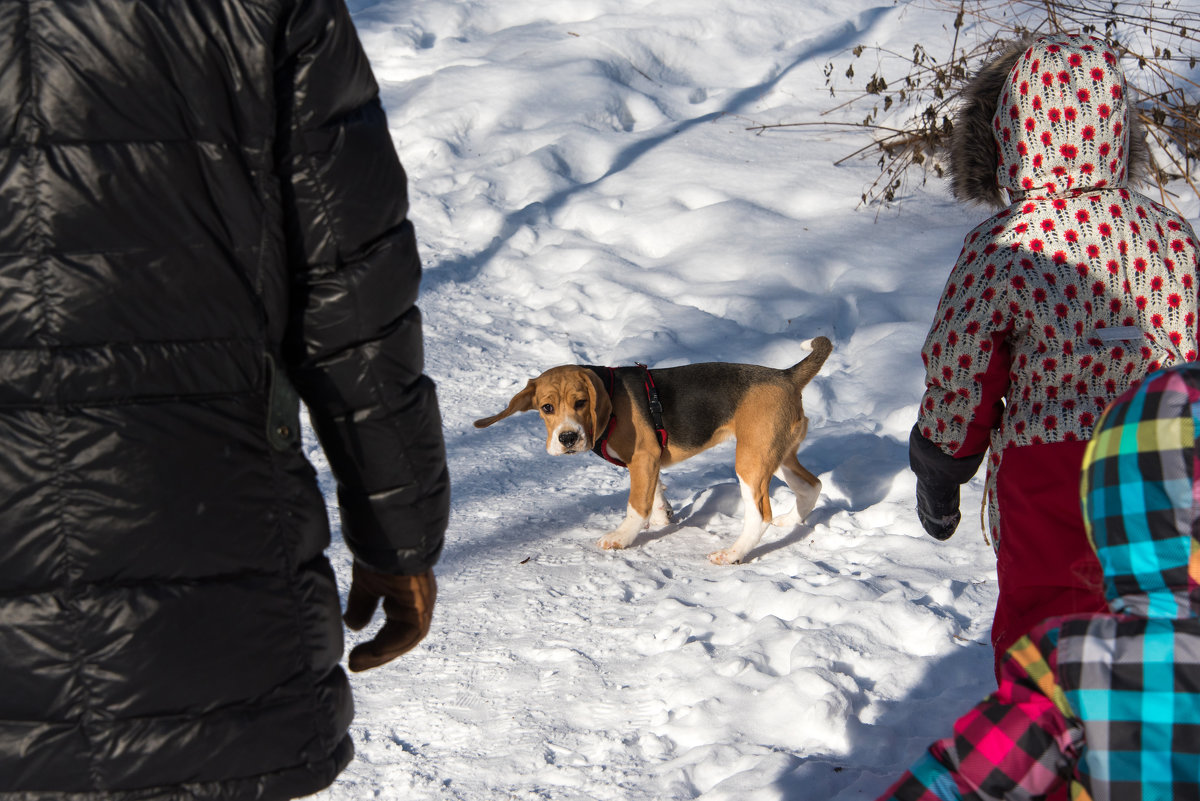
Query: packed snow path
(585,189)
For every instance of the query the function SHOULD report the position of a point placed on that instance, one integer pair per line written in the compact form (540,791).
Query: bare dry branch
(1158,39)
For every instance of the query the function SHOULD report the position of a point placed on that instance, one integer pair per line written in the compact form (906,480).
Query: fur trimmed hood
(1048,115)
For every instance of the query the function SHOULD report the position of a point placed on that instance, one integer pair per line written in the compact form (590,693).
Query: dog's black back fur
(703,412)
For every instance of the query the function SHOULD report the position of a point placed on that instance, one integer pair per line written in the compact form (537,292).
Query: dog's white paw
(662,515)
(806,501)
(612,542)
(725,556)
(624,534)
(787,519)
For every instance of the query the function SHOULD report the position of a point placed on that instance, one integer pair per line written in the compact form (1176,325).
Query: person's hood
(1047,116)
(1141,502)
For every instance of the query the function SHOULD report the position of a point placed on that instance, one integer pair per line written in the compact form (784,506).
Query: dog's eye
(580,404)
(547,408)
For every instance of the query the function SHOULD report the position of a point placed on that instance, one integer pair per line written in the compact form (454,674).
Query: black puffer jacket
(190,192)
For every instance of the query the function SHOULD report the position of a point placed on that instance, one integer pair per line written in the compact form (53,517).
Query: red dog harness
(609,376)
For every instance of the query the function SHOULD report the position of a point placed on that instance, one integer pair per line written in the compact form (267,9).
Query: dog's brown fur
(703,404)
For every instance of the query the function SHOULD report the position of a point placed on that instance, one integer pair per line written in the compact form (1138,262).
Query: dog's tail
(803,372)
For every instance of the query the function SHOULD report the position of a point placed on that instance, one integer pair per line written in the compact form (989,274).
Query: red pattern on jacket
(1079,288)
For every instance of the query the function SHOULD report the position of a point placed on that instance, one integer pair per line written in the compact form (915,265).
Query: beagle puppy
(646,420)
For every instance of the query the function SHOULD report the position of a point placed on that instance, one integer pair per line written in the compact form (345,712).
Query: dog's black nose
(568,438)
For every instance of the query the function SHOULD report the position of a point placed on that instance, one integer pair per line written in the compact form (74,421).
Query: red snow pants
(1045,564)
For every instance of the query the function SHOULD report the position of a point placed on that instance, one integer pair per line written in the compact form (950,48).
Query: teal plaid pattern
(1139,496)
(1109,703)
(1134,683)
(1133,679)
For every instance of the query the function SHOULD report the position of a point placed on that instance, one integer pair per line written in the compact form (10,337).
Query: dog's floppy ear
(599,404)
(521,402)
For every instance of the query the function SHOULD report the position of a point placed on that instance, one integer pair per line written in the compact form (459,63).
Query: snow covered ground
(585,189)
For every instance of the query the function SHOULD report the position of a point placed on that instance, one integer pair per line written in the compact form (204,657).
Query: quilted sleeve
(966,354)
(354,345)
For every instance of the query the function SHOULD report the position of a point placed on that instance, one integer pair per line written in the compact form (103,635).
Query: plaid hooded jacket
(1109,703)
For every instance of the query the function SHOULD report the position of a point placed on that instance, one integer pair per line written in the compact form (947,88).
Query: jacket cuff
(935,468)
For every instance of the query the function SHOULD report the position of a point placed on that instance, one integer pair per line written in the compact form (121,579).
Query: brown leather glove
(408,607)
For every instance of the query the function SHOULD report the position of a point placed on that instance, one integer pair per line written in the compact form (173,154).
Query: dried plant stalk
(911,97)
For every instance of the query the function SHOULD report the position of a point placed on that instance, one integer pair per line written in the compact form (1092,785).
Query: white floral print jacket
(1080,287)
